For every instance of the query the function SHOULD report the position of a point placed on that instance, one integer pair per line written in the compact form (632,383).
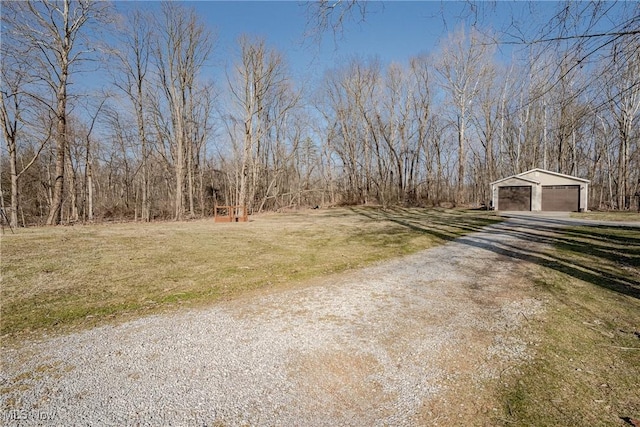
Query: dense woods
(162,139)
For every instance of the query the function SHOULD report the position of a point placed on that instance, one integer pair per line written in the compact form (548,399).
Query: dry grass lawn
(585,366)
(586,370)
(629,216)
(58,279)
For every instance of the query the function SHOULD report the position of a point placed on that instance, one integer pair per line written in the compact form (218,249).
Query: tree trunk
(89,192)
(145,208)
(179,196)
(70,173)
(55,210)
(461,159)
(190,177)
(13,218)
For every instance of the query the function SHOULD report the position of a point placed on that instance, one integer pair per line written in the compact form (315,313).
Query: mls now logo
(23,415)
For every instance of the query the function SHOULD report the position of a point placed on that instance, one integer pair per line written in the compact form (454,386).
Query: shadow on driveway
(604,254)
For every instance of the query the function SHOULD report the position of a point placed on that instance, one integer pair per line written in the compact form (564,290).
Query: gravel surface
(404,342)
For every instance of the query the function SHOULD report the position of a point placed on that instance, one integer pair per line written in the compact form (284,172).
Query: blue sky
(392,30)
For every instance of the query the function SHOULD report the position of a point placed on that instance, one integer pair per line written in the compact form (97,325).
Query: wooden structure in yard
(230,214)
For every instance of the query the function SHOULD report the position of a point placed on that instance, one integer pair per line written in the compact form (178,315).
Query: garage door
(516,198)
(563,198)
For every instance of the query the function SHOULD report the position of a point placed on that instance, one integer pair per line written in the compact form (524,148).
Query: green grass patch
(586,369)
(58,279)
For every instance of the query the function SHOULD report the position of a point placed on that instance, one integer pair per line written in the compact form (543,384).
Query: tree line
(161,139)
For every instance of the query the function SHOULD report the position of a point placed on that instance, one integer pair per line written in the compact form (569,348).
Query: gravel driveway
(404,342)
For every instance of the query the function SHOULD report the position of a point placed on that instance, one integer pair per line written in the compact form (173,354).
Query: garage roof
(516,177)
(519,176)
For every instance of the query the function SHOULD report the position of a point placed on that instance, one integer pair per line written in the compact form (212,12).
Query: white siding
(541,178)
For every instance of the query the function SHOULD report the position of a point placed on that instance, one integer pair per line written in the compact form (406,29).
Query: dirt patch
(340,383)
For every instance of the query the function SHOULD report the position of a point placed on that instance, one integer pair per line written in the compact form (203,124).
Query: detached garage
(540,190)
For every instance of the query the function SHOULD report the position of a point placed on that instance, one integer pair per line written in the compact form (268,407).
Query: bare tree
(53,29)
(464,66)
(348,103)
(485,121)
(395,127)
(623,95)
(182,47)
(17,115)
(264,97)
(422,114)
(201,110)
(325,15)
(88,158)
(132,79)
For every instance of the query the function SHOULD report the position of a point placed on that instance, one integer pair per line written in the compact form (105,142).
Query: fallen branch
(623,348)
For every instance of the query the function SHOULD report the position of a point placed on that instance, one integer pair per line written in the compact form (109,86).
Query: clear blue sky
(392,30)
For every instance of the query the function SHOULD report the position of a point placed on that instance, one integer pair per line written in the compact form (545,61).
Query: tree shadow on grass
(607,256)
(571,262)
(445,225)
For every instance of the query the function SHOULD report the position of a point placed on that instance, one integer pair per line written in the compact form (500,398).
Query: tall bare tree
(264,97)
(426,141)
(463,68)
(182,47)
(347,102)
(131,77)
(18,113)
(53,30)
(623,95)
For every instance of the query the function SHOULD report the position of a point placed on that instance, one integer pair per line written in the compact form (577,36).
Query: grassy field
(586,370)
(58,279)
(631,216)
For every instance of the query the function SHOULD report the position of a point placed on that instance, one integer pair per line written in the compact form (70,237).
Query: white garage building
(540,190)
